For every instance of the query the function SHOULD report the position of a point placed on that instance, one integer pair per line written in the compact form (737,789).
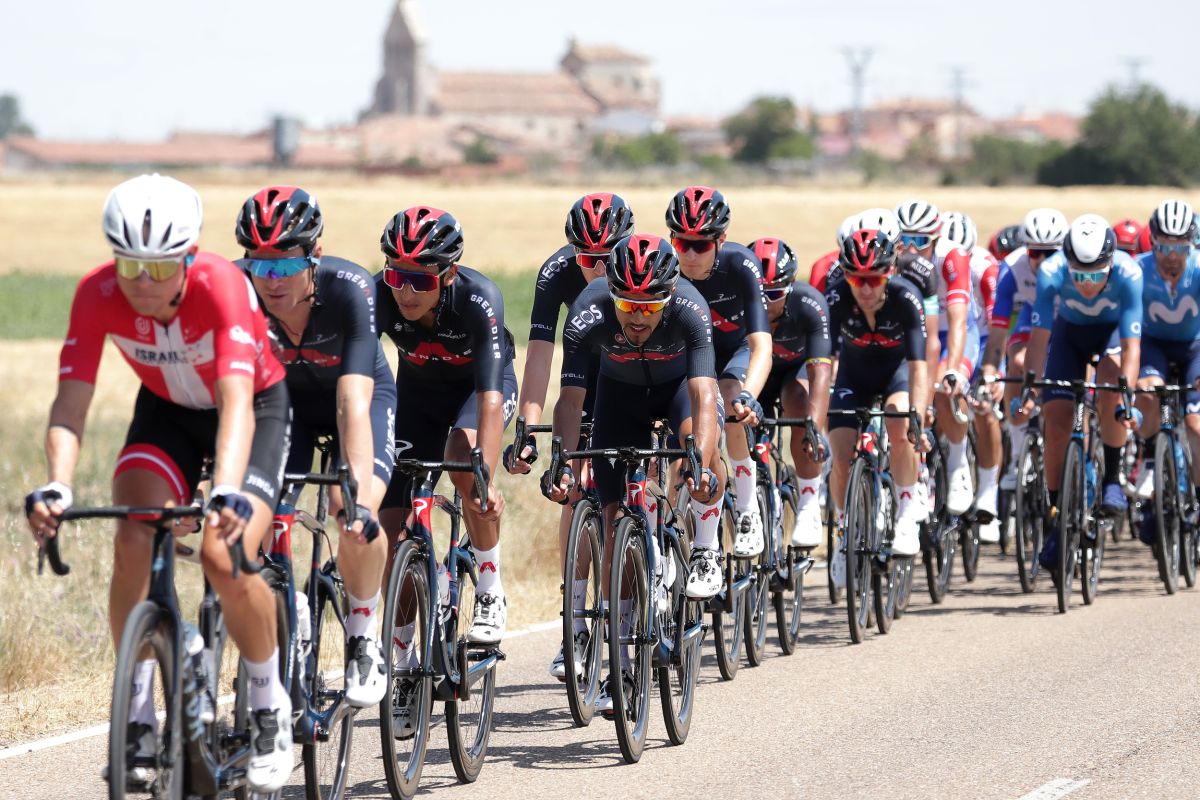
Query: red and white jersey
(953,268)
(985,275)
(217,330)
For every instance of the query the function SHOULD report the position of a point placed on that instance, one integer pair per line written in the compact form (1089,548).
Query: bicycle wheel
(884,579)
(469,718)
(789,599)
(584,563)
(758,595)
(1029,517)
(860,520)
(941,537)
(628,626)
(677,680)
(729,606)
(969,528)
(1004,497)
(1072,510)
(830,520)
(904,579)
(148,626)
(327,759)
(1167,514)
(1093,534)
(407,602)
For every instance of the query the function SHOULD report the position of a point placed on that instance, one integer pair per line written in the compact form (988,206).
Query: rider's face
(151,298)
(1171,262)
(414,305)
(696,265)
(281,295)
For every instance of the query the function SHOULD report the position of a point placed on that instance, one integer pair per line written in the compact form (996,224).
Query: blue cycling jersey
(1171,312)
(1119,301)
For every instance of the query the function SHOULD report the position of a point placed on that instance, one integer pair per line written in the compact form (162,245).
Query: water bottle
(443,583)
(303,634)
(193,642)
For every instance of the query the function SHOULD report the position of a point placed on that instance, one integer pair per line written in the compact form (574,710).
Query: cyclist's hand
(561,491)
(1131,418)
(996,389)
(43,507)
(953,382)
(365,527)
(747,409)
(228,511)
(522,464)
(821,452)
(495,503)
(706,489)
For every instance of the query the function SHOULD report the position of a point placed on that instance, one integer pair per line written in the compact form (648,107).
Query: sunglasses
(693,245)
(872,279)
(1172,249)
(419,281)
(774,295)
(1090,276)
(276,268)
(1033,253)
(590,260)
(917,240)
(647,307)
(132,268)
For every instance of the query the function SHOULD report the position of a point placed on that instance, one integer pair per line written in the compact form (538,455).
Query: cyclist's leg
(807,530)
(988,444)
(1191,418)
(1112,432)
(1018,421)
(704,578)
(959,497)
(911,509)
(731,374)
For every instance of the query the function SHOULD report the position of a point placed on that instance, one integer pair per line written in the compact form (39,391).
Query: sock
(707,518)
(1016,435)
(489,570)
(810,489)
(1112,464)
(987,479)
(743,484)
(956,454)
(141,703)
(361,621)
(902,491)
(266,691)
(402,637)
(578,599)
(626,607)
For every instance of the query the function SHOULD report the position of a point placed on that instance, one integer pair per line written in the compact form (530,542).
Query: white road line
(97,730)
(1059,787)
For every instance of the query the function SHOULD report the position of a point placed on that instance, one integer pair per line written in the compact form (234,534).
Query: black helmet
(598,221)
(643,264)
(698,211)
(423,235)
(279,218)
(1005,241)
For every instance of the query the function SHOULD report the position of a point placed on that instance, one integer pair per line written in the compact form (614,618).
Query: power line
(857,60)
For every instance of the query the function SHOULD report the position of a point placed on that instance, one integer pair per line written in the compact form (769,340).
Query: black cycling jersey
(802,333)
(681,344)
(559,282)
(467,343)
(733,291)
(917,270)
(900,321)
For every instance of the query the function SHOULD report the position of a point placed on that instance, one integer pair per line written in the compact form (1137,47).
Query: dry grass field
(55,658)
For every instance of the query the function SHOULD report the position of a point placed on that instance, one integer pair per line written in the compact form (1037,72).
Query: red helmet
(1128,231)
(598,221)
(1005,241)
(1144,243)
(643,264)
(867,251)
(423,235)
(698,211)
(778,260)
(279,218)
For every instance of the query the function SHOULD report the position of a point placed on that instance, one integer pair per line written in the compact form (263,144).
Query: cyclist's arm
(760,362)
(819,350)
(235,429)
(1042,318)
(534,380)
(491,429)
(956,272)
(915,343)
(702,393)
(543,323)
(956,334)
(1035,351)
(490,345)
(568,410)
(64,434)
(1131,320)
(1001,319)
(354,432)
(758,327)
(820,373)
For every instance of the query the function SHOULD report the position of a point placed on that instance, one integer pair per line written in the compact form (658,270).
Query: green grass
(38,305)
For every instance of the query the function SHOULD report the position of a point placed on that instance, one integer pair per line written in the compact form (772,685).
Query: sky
(139,69)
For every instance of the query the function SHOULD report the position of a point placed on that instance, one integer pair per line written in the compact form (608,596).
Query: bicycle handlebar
(812,438)
(416,468)
(344,480)
(627,455)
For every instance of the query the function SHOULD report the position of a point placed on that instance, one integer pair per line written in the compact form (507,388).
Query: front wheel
(789,600)
(469,714)
(1166,512)
(830,520)
(1071,521)
(860,521)
(758,595)
(629,639)
(729,607)
(583,627)
(684,628)
(1029,513)
(327,759)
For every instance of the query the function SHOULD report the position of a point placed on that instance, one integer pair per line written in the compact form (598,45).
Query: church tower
(406,86)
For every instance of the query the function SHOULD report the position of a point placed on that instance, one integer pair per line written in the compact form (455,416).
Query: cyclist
(800,330)
(879,319)
(1005,241)
(188,324)
(1171,319)
(729,278)
(958,230)
(818,273)
(322,314)
(595,223)
(1042,234)
(1099,314)
(457,388)
(1129,234)
(654,336)
(958,332)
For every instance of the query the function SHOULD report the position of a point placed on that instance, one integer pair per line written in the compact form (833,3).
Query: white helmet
(959,229)
(881,219)
(1090,241)
(152,217)
(1044,227)
(919,217)
(1173,219)
(845,229)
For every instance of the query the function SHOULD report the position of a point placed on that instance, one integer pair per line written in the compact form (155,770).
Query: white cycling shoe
(749,541)
(366,681)
(271,761)
(961,493)
(807,531)
(910,513)
(705,574)
(491,619)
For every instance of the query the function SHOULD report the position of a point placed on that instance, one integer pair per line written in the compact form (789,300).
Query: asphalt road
(990,695)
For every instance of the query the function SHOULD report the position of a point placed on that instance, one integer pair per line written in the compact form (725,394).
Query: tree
(766,129)
(480,152)
(922,151)
(997,160)
(640,151)
(11,123)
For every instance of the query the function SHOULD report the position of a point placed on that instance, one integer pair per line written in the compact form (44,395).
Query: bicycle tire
(727,622)
(830,520)
(941,537)
(469,721)
(1004,497)
(904,585)
(1029,510)
(1091,547)
(884,580)
(408,590)
(1072,508)
(969,528)
(629,576)
(584,537)
(859,522)
(789,600)
(326,763)
(1166,511)
(147,625)
(677,682)
(758,595)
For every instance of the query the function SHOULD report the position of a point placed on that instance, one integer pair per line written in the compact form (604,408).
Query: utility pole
(959,85)
(857,61)
(1135,71)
